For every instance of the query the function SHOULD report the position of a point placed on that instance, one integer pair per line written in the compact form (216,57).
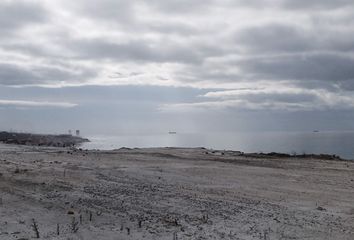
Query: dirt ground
(172,194)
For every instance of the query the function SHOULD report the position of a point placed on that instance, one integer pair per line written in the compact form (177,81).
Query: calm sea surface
(339,143)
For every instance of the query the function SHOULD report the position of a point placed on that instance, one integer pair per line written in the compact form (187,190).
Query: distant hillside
(64,140)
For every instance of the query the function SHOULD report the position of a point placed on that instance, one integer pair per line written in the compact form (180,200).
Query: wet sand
(170,193)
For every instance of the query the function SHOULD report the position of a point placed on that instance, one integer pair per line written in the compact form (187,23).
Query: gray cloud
(259,98)
(121,11)
(181,6)
(11,74)
(275,37)
(294,4)
(16,14)
(280,98)
(31,104)
(315,4)
(142,51)
(322,66)
(202,44)
(14,75)
(178,28)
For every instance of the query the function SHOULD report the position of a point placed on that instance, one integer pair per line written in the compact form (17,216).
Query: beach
(172,193)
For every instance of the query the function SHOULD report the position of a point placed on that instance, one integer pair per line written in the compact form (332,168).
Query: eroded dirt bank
(172,194)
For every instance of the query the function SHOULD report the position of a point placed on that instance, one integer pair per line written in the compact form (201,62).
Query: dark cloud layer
(141,51)
(181,6)
(16,14)
(275,38)
(13,75)
(316,4)
(296,5)
(121,11)
(326,67)
(278,38)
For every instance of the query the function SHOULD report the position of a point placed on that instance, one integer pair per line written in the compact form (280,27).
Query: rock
(71,212)
(319,208)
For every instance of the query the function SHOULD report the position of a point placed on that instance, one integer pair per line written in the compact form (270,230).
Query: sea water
(338,143)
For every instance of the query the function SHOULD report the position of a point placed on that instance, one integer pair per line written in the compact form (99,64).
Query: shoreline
(281,142)
(51,140)
(266,155)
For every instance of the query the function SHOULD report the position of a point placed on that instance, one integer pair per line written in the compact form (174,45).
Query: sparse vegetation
(74,225)
(35,228)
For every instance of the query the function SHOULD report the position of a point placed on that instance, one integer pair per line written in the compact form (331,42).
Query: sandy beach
(172,193)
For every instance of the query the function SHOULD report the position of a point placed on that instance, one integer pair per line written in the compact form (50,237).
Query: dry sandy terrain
(172,194)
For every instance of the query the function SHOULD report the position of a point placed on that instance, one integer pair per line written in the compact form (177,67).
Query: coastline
(49,140)
(160,193)
(294,143)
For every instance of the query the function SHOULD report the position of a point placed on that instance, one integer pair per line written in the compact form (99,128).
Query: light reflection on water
(339,143)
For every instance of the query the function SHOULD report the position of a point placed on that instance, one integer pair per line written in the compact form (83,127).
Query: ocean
(331,142)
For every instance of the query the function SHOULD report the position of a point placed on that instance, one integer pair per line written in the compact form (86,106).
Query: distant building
(77,132)
(70,132)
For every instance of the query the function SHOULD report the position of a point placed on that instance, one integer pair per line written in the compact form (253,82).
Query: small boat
(316,131)
(172,132)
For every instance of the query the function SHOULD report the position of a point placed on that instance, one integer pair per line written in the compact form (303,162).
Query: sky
(141,67)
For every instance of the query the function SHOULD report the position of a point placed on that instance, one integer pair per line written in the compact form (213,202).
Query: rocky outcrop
(64,140)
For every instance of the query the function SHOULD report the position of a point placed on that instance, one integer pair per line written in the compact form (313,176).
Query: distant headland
(62,140)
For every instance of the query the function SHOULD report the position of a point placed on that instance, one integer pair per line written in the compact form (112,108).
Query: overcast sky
(134,66)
